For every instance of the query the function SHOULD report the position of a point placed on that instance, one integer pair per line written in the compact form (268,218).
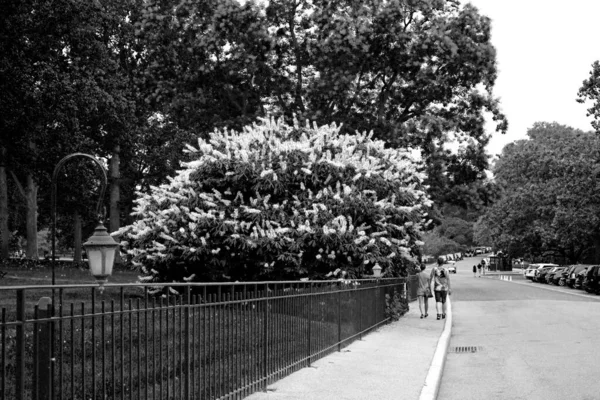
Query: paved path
(390,363)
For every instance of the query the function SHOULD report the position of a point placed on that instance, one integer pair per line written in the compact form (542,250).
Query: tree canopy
(133,81)
(550,202)
(590,91)
(417,73)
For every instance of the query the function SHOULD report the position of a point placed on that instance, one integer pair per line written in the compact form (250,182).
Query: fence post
(43,356)
(310,301)
(266,339)
(20,346)
(187,342)
(339,309)
(360,307)
(375,308)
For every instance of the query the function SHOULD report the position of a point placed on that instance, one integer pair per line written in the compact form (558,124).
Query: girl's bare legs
(423,305)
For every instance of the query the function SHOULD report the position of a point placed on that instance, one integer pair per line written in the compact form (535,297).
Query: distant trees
(551,198)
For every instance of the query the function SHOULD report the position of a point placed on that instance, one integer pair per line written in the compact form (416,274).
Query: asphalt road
(532,341)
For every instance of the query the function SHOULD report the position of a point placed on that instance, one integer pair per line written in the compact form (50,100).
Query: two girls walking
(439,278)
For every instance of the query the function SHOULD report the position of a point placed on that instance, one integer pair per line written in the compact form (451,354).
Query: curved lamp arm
(99,211)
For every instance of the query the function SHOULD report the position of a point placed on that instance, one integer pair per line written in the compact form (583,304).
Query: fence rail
(195,341)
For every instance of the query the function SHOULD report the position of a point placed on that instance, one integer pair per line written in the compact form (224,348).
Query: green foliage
(419,74)
(149,75)
(590,91)
(395,306)
(436,244)
(281,202)
(550,202)
(482,234)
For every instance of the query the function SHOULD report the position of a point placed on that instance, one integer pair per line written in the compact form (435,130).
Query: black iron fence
(194,341)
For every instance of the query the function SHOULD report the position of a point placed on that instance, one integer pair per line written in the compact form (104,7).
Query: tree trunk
(31,198)
(77,236)
(4,232)
(115,196)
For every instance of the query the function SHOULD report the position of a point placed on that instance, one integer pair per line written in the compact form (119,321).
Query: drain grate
(465,349)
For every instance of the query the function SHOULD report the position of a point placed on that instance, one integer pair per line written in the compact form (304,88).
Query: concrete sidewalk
(401,360)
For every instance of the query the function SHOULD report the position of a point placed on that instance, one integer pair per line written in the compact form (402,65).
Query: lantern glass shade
(101,260)
(101,249)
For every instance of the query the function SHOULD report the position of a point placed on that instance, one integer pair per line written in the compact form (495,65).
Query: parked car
(541,271)
(530,271)
(560,278)
(541,278)
(571,274)
(580,277)
(591,282)
(555,273)
(469,253)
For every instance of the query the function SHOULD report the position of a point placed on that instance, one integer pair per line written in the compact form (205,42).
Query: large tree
(419,73)
(550,202)
(65,90)
(132,81)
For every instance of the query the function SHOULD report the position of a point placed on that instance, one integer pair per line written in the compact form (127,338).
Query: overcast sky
(545,49)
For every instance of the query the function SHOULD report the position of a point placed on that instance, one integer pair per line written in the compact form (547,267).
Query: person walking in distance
(441,286)
(474,271)
(423,291)
(479,269)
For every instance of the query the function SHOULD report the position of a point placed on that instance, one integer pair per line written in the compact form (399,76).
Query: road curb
(436,369)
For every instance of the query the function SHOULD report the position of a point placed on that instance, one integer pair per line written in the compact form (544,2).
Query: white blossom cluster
(276,197)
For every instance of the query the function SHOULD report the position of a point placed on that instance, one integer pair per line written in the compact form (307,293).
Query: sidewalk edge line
(436,369)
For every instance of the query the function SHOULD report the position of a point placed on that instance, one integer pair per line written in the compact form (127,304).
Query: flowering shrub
(281,202)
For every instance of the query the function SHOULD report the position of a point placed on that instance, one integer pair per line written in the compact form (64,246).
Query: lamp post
(376,271)
(100,247)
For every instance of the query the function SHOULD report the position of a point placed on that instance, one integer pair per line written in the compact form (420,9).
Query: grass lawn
(20,276)
(65,275)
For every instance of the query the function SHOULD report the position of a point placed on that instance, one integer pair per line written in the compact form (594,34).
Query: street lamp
(100,247)
(377,271)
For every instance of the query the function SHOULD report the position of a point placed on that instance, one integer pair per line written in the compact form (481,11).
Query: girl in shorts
(441,285)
